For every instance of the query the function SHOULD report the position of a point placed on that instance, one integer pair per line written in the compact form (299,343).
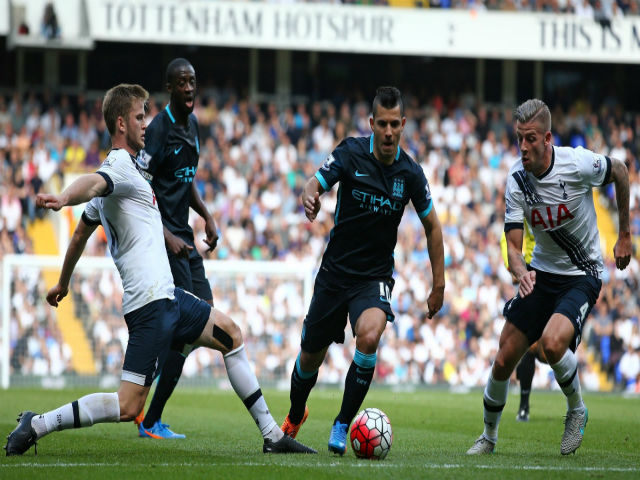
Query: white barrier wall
(4,17)
(68,13)
(358,29)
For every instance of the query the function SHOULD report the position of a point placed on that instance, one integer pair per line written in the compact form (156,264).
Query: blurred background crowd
(254,160)
(602,10)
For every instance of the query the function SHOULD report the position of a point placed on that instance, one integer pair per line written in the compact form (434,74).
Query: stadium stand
(254,160)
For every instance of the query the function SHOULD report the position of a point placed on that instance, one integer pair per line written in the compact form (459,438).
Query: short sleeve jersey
(371,202)
(558,206)
(169,161)
(131,220)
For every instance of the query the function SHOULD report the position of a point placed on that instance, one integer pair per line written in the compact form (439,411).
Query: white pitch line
(443,466)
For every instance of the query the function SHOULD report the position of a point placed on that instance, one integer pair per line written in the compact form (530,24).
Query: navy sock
(301,384)
(171,371)
(356,385)
(524,372)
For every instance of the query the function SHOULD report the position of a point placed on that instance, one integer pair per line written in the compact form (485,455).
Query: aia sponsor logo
(550,216)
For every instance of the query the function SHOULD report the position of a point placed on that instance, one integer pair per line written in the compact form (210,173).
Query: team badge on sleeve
(327,163)
(597,163)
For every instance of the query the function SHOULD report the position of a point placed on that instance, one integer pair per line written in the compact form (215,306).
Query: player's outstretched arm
(622,249)
(517,265)
(435,245)
(310,198)
(200,208)
(82,190)
(74,251)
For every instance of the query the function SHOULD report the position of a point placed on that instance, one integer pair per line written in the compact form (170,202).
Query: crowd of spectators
(600,10)
(254,160)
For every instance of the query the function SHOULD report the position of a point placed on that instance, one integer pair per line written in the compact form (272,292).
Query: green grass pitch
(432,430)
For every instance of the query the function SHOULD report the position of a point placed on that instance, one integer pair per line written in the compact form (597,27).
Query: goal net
(82,342)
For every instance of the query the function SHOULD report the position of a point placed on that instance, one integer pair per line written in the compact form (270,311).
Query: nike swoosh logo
(177,150)
(358,174)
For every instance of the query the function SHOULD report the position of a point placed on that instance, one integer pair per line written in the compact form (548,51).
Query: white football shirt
(130,217)
(558,206)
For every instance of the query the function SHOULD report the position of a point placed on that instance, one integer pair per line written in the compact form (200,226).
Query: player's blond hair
(118,102)
(534,110)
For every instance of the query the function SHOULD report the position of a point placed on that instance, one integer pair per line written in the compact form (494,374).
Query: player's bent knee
(553,348)
(226,332)
(503,367)
(368,342)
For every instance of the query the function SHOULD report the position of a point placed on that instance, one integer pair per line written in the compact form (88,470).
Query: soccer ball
(371,434)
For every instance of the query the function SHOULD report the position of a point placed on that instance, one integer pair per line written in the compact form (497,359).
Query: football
(371,434)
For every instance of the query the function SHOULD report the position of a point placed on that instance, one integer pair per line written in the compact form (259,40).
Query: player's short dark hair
(174,66)
(118,101)
(534,110)
(387,97)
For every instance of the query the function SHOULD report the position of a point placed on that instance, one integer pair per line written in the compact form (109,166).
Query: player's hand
(311,205)
(47,200)
(527,282)
(434,302)
(212,235)
(56,294)
(177,246)
(622,250)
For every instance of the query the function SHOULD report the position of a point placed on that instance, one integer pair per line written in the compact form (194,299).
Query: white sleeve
(595,169)
(514,213)
(91,214)
(116,172)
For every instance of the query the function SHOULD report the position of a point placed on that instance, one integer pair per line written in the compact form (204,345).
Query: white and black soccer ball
(371,434)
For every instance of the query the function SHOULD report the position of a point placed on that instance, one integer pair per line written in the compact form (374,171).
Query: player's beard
(136,144)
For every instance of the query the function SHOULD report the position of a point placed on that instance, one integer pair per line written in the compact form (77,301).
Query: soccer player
(169,161)
(551,188)
(377,180)
(156,313)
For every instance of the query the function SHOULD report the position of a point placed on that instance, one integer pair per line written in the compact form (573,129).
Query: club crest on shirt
(143,160)
(327,163)
(597,164)
(398,187)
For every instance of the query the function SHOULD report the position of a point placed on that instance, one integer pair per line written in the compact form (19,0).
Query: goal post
(83,340)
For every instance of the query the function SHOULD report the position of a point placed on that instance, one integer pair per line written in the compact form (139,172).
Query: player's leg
(189,275)
(83,412)
(524,373)
(513,344)
(221,333)
(303,378)
(150,330)
(151,426)
(368,330)
(559,341)
(324,324)
(555,343)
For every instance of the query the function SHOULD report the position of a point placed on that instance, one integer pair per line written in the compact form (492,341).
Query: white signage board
(4,17)
(360,29)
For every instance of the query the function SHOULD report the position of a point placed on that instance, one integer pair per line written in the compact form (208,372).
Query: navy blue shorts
(333,300)
(189,274)
(571,295)
(154,327)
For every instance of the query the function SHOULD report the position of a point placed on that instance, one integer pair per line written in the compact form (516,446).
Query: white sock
(494,399)
(245,384)
(84,412)
(566,372)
